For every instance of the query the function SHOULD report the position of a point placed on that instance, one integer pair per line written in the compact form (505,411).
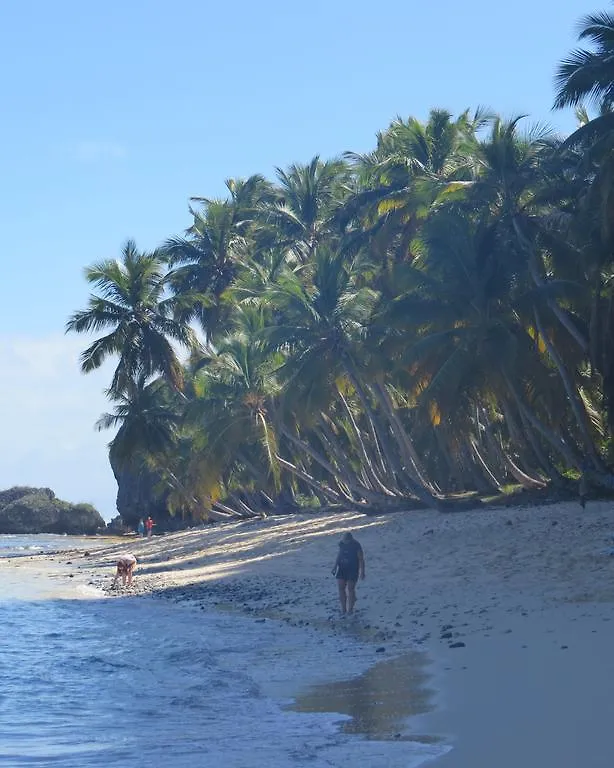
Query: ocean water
(19,546)
(88,681)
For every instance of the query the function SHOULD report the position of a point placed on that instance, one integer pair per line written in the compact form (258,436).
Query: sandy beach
(512,609)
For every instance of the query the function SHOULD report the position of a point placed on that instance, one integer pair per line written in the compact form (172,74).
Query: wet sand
(380,701)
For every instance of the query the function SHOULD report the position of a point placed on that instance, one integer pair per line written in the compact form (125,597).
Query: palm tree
(234,387)
(146,418)
(204,262)
(415,166)
(588,74)
(322,328)
(308,198)
(131,302)
(458,343)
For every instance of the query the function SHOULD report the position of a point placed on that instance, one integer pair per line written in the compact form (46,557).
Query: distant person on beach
(141,528)
(125,568)
(349,565)
(149,524)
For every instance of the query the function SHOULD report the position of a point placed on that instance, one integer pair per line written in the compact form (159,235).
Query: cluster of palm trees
(403,327)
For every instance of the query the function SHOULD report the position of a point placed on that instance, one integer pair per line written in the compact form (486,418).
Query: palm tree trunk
(392,460)
(267,436)
(524,438)
(406,445)
(361,391)
(319,459)
(331,444)
(539,281)
(214,514)
(368,464)
(309,480)
(480,483)
(551,437)
(443,448)
(490,477)
(229,510)
(242,505)
(418,487)
(525,480)
(576,404)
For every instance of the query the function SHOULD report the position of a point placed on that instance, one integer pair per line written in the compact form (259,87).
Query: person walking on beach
(141,528)
(349,565)
(149,524)
(125,568)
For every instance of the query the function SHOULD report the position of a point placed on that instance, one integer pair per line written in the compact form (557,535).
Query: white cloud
(93,151)
(47,413)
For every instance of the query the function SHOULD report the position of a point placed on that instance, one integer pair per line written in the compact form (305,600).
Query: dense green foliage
(429,319)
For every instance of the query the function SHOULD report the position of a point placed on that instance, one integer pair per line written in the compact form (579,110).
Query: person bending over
(349,565)
(125,569)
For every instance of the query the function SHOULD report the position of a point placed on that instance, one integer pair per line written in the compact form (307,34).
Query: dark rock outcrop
(37,510)
(117,527)
(138,496)
(19,491)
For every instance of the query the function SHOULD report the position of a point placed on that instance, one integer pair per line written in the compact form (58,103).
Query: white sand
(529,591)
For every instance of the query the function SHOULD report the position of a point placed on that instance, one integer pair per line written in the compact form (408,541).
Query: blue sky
(115,113)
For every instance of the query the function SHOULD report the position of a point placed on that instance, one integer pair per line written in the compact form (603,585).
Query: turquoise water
(143,682)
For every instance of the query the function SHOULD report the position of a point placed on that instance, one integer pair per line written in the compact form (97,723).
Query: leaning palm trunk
(330,443)
(309,480)
(216,514)
(524,437)
(243,506)
(480,483)
(557,442)
(326,465)
(394,479)
(405,444)
(361,391)
(539,281)
(572,394)
(344,491)
(355,439)
(228,509)
(453,481)
(399,476)
(525,480)
(486,470)
(368,464)
(416,485)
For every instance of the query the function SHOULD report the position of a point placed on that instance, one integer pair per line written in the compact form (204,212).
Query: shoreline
(356,694)
(514,606)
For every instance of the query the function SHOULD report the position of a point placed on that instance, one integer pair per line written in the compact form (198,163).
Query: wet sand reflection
(379,701)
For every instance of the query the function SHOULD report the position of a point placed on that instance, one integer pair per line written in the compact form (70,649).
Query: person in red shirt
(149,524)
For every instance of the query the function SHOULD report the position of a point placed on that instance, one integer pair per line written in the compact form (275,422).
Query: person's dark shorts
(346,573)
